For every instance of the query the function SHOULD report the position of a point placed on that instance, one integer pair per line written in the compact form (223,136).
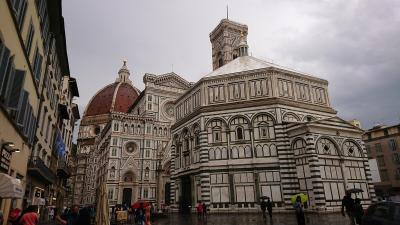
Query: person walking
(263,206)
(30,217)
(269,207)
(199,209)
(298,206)
(358,211)
(204,210)
(83,217)
(72,216)
(348,205)
(139,214)
(148,215)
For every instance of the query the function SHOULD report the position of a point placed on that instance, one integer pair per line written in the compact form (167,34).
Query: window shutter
(4,59)
(27,120)
(22,108)
(16,88)
(39,67)
(8,79)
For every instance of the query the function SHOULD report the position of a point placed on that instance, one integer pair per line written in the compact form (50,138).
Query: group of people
(75,216)
(353,208)
(142,215)
(201,209)
(28,216)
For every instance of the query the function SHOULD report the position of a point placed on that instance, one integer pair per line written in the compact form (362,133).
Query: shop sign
(5,158)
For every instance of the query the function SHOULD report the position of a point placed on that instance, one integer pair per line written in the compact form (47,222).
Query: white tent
(10,187)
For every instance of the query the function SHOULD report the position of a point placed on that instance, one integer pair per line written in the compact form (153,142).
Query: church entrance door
(127,196)
(186,199)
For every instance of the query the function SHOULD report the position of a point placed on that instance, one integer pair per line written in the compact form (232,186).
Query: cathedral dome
(117,97)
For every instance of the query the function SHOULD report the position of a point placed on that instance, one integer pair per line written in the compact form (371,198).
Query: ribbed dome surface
(114,97)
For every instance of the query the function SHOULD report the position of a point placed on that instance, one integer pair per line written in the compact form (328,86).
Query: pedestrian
(139,214)
(269,207)
(60,218)
(83,217)
(358,211)
(199,209)
(151,212)
(263,206)
(14,215)
(73,214)
(348,205)
(30,216)
(298,206)
(51,214)
(148,215)
(204,210)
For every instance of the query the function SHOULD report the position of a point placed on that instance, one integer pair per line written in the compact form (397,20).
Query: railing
(38,167)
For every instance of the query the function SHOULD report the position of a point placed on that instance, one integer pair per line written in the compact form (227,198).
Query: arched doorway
(127,196)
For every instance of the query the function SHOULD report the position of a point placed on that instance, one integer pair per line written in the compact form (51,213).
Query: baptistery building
(248,129)
(251,129)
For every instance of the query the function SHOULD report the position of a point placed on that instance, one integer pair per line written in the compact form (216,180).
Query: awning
(10,187)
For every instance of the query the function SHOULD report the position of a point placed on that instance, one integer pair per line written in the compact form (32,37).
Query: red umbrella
(139,203)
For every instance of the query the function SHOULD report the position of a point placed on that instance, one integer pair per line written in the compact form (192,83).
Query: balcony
(37,168)
(63,170)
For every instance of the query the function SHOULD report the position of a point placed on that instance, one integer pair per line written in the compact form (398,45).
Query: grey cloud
(353,44)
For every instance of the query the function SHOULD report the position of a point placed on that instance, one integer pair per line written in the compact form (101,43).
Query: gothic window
(234,153)
(126,128)
(239,133)
(155,131)
(299,147)
(146,173)
(165,131)
(114,152)
(116,126)
(138,129)
(112,172)
(160,131)
(132,129)
(216,134)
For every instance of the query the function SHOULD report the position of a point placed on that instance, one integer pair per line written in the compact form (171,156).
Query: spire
(243,47)
(123,73)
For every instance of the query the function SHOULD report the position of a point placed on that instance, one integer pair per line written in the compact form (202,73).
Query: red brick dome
(117,97)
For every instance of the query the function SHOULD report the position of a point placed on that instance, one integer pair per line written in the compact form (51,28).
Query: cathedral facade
(247,130)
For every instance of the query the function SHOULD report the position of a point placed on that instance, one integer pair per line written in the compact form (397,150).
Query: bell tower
(225,40)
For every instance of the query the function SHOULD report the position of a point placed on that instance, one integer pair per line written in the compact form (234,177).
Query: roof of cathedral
(118,96)
(246,63)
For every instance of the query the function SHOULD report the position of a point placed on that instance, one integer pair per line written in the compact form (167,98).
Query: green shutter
(16,89)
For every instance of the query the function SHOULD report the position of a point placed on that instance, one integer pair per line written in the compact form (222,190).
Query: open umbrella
(303,198)
(102,217)
(355,190)
(137,204)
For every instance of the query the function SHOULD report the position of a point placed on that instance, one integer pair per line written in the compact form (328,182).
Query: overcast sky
(355,45)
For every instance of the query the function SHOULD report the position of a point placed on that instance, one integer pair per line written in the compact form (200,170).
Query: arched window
(265,126)
(146,173)
(216,133)
(165,131)
(326,147)
(155,131)
(211,154)
(138,129)
(234,153)
(132,131)
(239,133)
(112,172)
(126,128)
(351,149)
(160,131)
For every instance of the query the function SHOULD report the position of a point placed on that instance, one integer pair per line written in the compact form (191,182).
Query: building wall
(14,38)
(383,145)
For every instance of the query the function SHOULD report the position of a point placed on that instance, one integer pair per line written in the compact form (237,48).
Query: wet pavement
(252,219)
